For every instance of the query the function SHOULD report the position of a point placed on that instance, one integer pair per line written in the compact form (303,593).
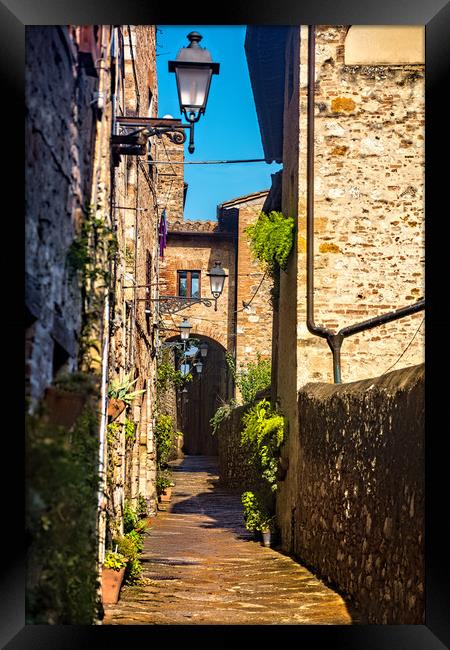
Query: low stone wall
(359,516)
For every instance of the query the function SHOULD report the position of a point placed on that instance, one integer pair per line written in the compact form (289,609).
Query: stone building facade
(86,205)
(367,191)
(134,321)
(242,324)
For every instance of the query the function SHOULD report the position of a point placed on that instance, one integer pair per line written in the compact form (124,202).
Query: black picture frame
(435,15)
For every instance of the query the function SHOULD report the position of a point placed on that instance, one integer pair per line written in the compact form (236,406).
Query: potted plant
(120,395)
(257,516)
(113,571)
(164,486)
(65,399)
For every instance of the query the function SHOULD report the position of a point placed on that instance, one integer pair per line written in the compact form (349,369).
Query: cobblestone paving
(201,566)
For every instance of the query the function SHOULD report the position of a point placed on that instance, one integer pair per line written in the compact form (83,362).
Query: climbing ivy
(271,239)
(167,375)
(88,262)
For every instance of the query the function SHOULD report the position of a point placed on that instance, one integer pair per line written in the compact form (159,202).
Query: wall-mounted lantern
(203,347)
(217,279)
(185,329)
(193,68)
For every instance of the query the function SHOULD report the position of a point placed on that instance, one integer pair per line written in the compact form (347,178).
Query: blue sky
(229,128)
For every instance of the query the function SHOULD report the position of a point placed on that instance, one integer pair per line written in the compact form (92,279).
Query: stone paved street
(201,566)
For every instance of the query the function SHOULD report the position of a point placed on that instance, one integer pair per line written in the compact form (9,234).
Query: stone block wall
(368,205)
(60,126)
(358,512)
(134,317)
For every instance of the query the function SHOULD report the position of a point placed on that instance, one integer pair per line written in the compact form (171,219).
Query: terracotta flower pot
(115,407)
(111,584)
(63,407)
(166,495)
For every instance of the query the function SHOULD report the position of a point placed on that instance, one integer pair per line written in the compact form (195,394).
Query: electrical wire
(247,304)
(409,344)
(204,162)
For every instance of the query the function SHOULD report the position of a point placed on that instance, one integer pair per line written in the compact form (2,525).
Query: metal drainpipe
(333,339)
(312,327)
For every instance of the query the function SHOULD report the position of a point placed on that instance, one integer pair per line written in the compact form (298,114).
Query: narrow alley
(201,566)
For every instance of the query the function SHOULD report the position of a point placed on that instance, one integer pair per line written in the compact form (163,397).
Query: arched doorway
(201,397)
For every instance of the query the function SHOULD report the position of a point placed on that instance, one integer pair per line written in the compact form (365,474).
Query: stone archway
(205,393)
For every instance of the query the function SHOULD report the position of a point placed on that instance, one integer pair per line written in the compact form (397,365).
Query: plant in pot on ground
(113,571)
(257,512)
(262,435)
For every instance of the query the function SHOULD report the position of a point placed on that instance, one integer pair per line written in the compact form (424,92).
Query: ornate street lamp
(217,278)
(203,347)
(199,367)
(193,68)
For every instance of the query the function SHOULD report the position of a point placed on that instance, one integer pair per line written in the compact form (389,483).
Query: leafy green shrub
(142,507)
(263,432)
(121,389)
(129,546)
(167,375)
(271,239)
(61,514)
(114,560)
(256,513)
(163,480)
(164,436)
(130,429)
(136,539)
(130,518)
(222,413)
(252,378)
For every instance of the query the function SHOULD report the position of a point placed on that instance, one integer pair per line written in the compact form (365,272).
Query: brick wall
(254,323)
(198,252)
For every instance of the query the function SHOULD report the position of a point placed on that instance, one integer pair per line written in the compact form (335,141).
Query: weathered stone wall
(368,205)
(133,344)
(368,213)
(359,515)
(60,124)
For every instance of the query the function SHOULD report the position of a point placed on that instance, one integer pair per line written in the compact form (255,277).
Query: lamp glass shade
(203,347)
(185,329)
(185,369)
(217,278)
(199,366)
(193,87)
